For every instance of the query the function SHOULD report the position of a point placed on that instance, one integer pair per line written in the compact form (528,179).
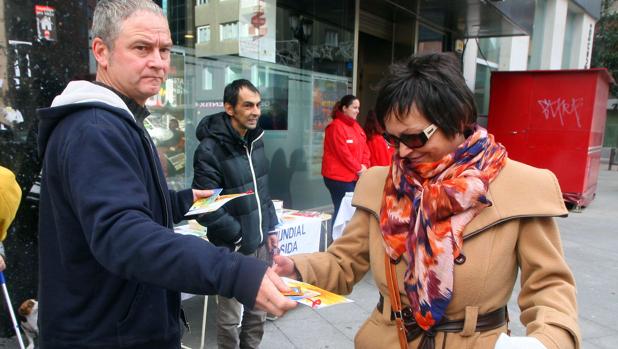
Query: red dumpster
(553,119)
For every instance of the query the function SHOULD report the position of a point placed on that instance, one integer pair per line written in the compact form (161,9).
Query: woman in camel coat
(458,220)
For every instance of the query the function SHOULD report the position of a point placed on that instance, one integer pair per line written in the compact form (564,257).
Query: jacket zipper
(154,168)
(257,196)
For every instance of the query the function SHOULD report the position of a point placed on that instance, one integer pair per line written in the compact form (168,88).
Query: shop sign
(45,22)
(257,25)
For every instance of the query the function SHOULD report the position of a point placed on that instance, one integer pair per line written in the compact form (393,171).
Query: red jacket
(345,150)
(381,154)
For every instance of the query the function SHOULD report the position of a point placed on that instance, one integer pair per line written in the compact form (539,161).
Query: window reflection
(166,124)
(301,60)
(297,54)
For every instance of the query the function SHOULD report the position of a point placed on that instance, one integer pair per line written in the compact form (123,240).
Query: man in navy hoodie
(111,267)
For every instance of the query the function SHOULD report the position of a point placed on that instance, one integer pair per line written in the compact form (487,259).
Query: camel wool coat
(516,233)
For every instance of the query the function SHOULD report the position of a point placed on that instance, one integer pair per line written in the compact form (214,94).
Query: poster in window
(327,90)
(275,103)
(257,25)
(45,22)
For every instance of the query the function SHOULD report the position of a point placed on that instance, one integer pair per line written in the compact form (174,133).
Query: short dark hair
(345,101)
(434,84)
(230,94)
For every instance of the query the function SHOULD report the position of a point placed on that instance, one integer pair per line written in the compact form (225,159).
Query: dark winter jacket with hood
(225,160)
(111,267)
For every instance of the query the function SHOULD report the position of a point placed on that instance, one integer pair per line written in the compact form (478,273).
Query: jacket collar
(82,92)
(519,191)
(139,112)
(76,96)
(219,127)
(344,118)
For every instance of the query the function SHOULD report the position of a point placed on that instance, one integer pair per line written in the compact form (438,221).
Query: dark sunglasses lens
(414,141)
(411,141)
(390,139)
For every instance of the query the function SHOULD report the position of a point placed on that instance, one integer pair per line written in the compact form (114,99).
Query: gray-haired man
(111,267)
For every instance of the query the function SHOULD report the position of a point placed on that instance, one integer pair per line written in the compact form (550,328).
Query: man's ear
(101,52)
(229,109)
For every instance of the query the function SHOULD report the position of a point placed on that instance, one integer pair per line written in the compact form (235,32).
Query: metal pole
(8,304)
(356,38)
(203,337)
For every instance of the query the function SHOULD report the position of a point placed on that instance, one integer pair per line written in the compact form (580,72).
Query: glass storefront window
(299,57)
(481,88)
(489,49)
(302,63)
(232,73)
(536,43)
(206,79)
(166,124)
(569,36)
(488,56)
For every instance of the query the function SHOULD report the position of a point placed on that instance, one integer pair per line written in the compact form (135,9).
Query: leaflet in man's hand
(213,202)
(311,295)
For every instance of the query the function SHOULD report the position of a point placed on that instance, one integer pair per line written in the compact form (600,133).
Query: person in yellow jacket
(10,196)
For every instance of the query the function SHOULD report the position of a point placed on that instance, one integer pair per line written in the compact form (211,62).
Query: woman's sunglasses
(411,141)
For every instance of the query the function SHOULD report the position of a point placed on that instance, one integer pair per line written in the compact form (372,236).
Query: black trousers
(337,191)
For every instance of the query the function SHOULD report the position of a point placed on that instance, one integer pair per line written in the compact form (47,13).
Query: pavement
(590,242)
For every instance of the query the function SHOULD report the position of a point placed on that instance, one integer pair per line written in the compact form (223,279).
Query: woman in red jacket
(346,155)
(380,153)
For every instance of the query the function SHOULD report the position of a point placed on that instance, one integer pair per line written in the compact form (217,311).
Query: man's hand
(2,265)
(269,297)
(285,266)
(199,194)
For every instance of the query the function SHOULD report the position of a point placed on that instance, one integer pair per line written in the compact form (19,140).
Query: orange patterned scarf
(426,207)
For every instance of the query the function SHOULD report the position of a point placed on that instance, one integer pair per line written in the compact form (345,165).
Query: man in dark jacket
(111,266)
(231,156)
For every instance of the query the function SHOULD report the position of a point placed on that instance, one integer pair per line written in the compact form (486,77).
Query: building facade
(302,54)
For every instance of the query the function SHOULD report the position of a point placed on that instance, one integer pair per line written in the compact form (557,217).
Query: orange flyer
(313,296)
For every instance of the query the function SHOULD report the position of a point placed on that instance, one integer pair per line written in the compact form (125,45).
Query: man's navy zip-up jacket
(111,267)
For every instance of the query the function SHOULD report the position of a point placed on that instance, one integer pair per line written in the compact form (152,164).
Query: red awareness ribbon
(315,303)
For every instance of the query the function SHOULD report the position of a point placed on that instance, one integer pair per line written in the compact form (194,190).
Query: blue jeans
(337,191)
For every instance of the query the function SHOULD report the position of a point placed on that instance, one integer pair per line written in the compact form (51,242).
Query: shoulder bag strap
(393,290)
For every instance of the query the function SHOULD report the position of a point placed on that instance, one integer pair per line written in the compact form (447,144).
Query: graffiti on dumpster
(562,108)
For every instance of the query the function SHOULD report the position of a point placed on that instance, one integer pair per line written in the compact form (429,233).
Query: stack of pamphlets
(213,202)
